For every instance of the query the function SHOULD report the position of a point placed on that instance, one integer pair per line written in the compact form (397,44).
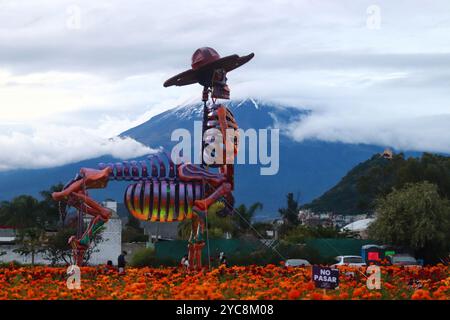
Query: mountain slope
(357,191)
(306,168)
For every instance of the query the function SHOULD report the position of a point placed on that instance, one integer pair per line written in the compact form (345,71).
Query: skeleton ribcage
(162,200)
(158,194)
(212,121)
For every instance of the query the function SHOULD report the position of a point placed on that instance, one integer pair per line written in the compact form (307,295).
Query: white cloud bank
(44,147)
(75,73)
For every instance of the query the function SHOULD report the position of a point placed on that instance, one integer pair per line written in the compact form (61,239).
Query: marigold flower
(294,294)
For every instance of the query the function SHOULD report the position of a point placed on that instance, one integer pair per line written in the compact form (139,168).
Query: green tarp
(338,247)
(178,248)
(327,248)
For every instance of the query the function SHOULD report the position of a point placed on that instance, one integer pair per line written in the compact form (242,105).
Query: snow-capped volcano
(306,168)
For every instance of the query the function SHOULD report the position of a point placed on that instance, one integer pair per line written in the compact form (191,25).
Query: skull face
(220,88)
(216,80)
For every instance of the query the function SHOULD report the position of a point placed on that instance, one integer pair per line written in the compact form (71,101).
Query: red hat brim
(227,63)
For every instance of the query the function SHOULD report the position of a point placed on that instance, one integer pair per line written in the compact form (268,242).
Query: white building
(111,246)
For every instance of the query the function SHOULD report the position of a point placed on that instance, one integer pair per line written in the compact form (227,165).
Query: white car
(297,263)
(404,260)
(351,261)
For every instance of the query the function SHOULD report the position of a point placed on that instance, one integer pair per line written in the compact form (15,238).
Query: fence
(336,247)
(176,249)
(325,248)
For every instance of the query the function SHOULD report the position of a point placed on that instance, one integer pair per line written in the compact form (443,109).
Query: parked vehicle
(372,254)
(297,263)
(352,261)
(404,260)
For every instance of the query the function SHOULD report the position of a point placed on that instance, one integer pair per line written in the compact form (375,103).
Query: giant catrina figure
(160,189)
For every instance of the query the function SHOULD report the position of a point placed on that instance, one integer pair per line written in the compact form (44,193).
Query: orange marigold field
(250,282)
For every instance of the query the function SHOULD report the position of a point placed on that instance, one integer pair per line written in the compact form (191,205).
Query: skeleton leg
(196,242)
(100,216)
(202,205)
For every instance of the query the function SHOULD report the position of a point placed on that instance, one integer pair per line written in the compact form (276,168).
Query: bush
(147,258)
(11,264)
(131,234)
(143,257)
(266,256)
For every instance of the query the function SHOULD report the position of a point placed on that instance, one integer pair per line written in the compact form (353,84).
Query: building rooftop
(359,225)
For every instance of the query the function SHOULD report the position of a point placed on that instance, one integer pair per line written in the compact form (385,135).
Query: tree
(133,231)
(95,241)
(27,215)
(243,217)
(56,250)
(32,219)
(375,178)
(53,210)
(290,213)
(30,242)
(415,217)
(22,212)
(301,232)
(217,226)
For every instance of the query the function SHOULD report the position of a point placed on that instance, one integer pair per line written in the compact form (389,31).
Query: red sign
(373,256)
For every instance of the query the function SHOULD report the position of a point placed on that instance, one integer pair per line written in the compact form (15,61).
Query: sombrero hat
(203,60)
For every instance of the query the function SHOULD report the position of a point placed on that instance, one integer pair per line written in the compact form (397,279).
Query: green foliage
(52,208)
(57,250)
(416,217)
(262,227)
(281,252)
(300,233)
(132,232)
(11,264)
(146,258)
(23,212)
(184,229)
(30,240)
(358,190)
(33,219)
(243,217)
(143,257)
(30,218)
(133,222)
(217,226)
(290,213)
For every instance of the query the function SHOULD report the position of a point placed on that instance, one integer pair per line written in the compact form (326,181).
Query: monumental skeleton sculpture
(165,191)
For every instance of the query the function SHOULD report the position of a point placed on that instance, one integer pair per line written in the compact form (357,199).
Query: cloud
(94,69)
(44,147)
(407,133)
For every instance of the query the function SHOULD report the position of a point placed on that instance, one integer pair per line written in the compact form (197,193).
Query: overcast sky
(75,73)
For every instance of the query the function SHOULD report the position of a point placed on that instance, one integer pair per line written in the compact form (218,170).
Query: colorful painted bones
(163,191)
